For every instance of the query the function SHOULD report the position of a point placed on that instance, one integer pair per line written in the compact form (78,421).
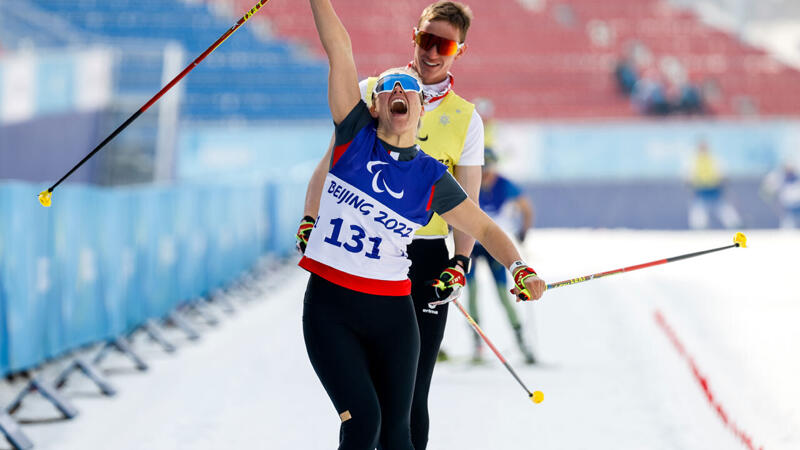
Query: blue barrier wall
(285,199)
(3,332)
(29,279)
(99,262)
(3,323)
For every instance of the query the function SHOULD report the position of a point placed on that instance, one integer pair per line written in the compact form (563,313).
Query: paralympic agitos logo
(378,181)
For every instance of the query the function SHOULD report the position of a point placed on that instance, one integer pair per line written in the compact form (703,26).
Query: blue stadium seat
(247,77)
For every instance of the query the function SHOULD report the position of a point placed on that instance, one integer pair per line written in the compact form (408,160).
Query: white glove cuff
(516,265)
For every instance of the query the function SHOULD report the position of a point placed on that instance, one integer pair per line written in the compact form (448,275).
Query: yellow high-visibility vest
(442,136)
(705,173)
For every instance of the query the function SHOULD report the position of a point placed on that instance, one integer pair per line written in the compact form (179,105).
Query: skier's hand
(527,285)
(450,281)
(303,233)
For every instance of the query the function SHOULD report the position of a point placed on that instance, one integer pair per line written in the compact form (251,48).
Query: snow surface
(611,378)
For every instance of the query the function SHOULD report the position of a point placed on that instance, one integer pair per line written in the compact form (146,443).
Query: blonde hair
(404,70)
(455,13)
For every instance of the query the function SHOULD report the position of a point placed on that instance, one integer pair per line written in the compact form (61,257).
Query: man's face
(431,65)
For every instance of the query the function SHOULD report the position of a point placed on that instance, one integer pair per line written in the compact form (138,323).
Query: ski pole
(535,396)
(739,240)
(45,197)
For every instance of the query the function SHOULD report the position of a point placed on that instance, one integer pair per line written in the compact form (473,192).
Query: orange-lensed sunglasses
(426,41)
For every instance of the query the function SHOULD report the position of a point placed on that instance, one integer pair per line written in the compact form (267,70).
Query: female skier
(358,319)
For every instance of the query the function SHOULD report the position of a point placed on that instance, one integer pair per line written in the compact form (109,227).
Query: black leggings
(364,349)
(428,258)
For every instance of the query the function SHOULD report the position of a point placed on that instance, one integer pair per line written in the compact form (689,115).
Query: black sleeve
(447,194)
(358,118)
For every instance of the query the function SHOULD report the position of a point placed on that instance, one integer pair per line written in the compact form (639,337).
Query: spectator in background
(783,187)
(626,70)
(706,180)
(657,89)
(649,94)
(503,201)
(625,75)
(683,96)
(690,99)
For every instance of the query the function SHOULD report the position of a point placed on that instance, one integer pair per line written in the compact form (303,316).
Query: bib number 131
(355,243)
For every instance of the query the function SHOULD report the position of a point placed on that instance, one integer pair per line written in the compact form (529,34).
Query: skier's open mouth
(398,106)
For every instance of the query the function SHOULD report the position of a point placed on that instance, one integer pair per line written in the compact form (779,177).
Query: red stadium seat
(557,62)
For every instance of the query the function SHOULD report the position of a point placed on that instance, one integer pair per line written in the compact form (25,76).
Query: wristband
(518,264)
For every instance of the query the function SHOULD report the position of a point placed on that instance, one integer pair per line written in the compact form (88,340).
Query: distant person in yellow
(707,184)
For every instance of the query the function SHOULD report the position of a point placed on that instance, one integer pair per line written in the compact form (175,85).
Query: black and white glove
(451,281)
